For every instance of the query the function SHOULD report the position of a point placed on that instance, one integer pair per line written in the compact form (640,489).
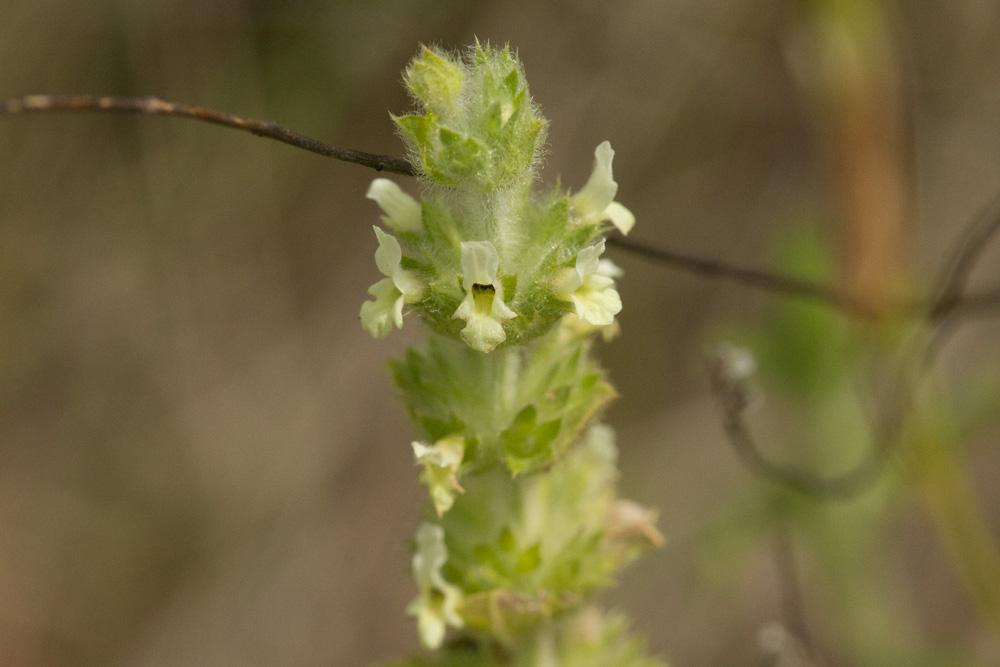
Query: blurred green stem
(942,480)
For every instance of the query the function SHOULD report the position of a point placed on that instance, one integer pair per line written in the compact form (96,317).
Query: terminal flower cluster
(524,523)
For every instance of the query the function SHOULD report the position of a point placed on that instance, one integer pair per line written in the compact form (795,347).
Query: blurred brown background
(202,459)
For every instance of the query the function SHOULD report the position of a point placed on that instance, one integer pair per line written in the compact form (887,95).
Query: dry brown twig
(154,106)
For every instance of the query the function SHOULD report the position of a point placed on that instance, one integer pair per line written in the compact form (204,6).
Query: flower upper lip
(595,202)
(401,211)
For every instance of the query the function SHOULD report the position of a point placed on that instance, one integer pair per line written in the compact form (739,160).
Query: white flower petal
(590,287)
(597,306)
(588,259)
(483,307)
(397,311)
(483,330)
(620,217)
(466,309)
(402,212)
(501,310)
(409,285)
(566,282)
(606,267)
(389,254)
(598,281)
(479,263)
(595,197)
(397,288)
(483,333)
(595,203)
(378,316)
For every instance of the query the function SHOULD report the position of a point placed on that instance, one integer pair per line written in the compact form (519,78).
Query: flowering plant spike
(524,525)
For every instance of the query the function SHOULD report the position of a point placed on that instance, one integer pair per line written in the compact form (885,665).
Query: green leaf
(436,80)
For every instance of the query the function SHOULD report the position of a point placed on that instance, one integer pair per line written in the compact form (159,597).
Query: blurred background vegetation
(202,458)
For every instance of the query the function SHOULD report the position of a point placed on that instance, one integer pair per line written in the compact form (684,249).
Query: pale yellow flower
(437,603)
(589,287)
(399,286)
(483,308)
(595,202)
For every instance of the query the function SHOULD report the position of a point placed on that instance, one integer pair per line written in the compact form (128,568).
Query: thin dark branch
(154,106)
(942,316)
(942,313)
(969,248)
(772,283)
(822,294)
(793,600)
(733,396)
(753,278)
(966,305)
